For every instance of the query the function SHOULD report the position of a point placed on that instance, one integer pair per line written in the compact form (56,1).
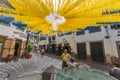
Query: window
(68,33)
(60,35)
(1,43)
(42,38)
(53,37)
(20,29)
(49,39)
(115,26)
(80,32)
(5,23)
(96,29)
(118,26)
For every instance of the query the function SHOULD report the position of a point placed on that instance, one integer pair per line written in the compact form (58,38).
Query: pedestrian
(65,57)
(35,50)
(42,51)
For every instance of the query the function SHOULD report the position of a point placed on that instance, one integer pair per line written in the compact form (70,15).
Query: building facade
(12,40)
(57,44)
(96,44)
(99,44)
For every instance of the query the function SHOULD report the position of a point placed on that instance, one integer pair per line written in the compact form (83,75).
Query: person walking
(65,57)
(42,51)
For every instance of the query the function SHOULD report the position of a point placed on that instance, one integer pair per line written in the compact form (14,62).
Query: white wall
(5,30)
(113,41)
(96,36)
(110,46)
(69,38)
(9,31)
(44,42)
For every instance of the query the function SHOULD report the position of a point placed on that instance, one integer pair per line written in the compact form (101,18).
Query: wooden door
(81,50)
(22,48)
(6,47)
(97,51)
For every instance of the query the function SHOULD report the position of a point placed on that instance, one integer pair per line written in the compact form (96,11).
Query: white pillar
(88,48)
(108,50)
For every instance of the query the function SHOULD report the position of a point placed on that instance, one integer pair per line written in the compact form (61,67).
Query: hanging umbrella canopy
(59,16)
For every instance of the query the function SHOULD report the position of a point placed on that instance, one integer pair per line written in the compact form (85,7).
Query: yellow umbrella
(54,16)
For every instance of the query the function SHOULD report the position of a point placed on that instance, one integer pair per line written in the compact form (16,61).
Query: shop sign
(16,32)
(20,34)
(23,35)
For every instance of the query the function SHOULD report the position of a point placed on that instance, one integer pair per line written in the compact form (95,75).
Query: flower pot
(28,56)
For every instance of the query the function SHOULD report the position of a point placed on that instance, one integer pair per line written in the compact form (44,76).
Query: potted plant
(29,49)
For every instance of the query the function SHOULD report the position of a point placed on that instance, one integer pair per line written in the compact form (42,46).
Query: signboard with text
(20,34)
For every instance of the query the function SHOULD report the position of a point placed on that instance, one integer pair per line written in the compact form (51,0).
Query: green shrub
(29,48)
